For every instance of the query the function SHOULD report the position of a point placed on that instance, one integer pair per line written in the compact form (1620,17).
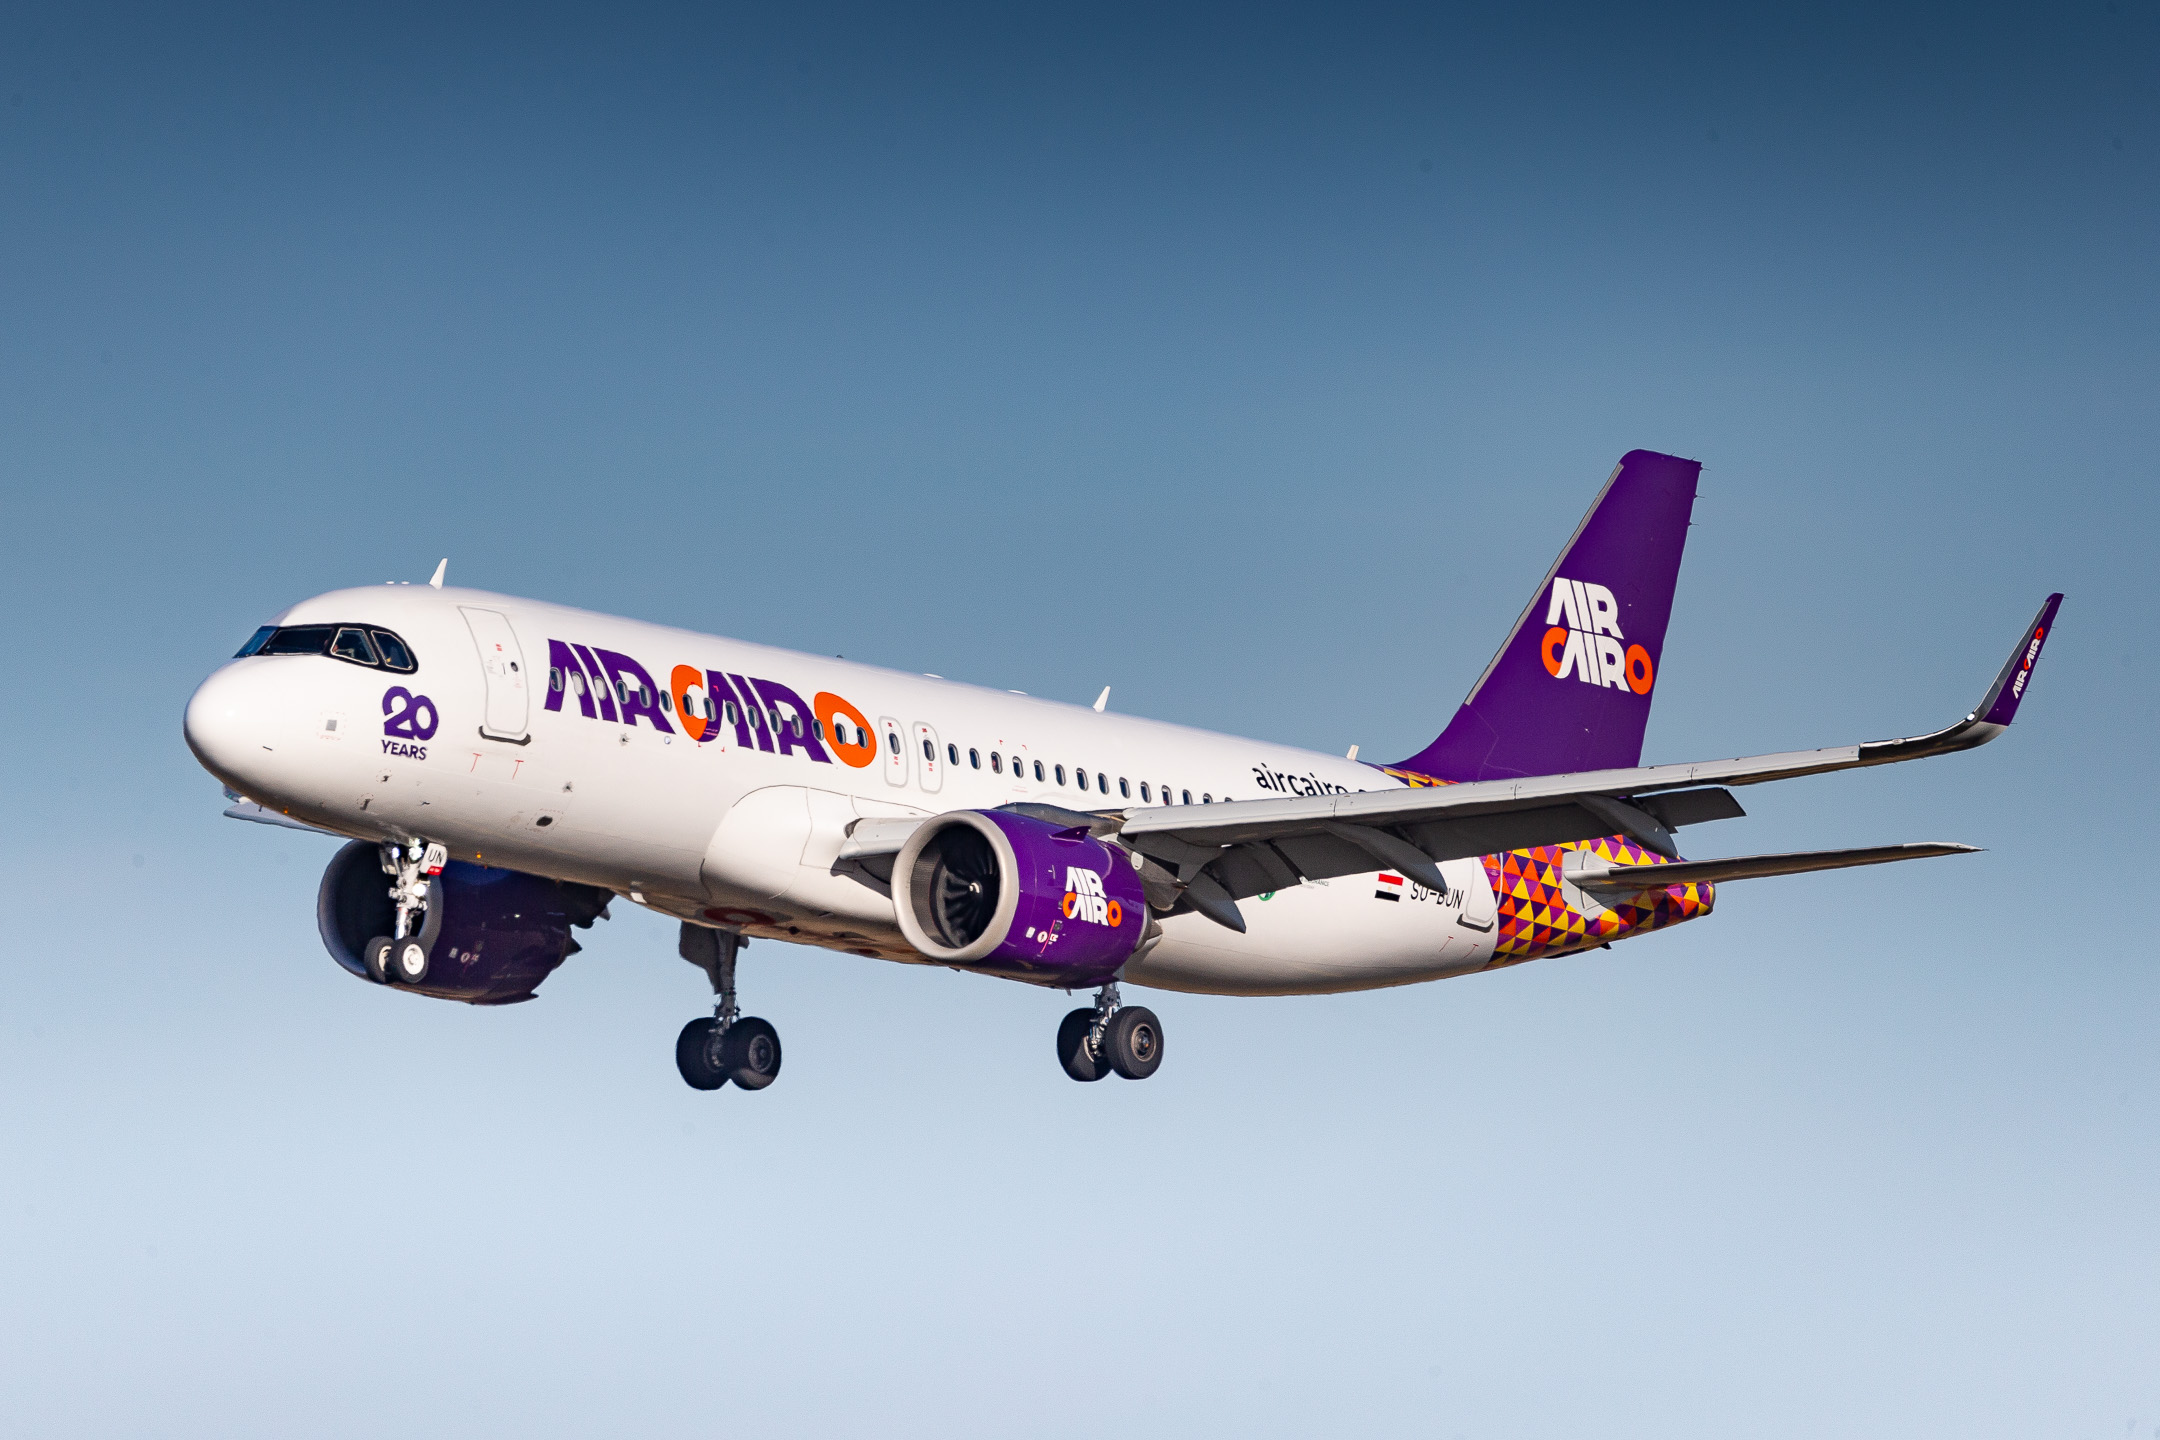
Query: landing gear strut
(1111,1036)
(399,958)
(731,1045)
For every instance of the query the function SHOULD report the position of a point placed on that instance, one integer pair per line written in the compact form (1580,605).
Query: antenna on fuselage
(1102,699)
(440,566)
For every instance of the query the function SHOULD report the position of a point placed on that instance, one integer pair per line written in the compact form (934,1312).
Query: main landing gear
(729,1046)
(1124,1038)
(400,958)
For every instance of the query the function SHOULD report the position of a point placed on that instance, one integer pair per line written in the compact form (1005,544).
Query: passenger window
(667,702)
(1206,799)
(1124,787)
(892,741)
(952,754)
(1079,777)
(1038,772)
(734,716)
(974,759)
(1102,782)
(997,763)
(1143,791)
(1188,797)
(394,654)
(352,644)
(555,681)
(256,641)
(1061,774)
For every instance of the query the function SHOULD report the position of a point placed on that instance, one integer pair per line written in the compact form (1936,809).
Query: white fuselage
(747,835)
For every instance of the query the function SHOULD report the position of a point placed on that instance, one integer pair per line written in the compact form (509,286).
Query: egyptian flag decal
(1384,892)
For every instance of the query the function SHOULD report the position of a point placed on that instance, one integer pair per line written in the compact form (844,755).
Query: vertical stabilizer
(1571,688)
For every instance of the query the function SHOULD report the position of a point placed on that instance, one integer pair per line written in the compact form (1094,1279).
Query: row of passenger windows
(855,737)
(1046,774)
(726,710)
(376,649)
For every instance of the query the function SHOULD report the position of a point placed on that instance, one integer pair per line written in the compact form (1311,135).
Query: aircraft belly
(1318,938)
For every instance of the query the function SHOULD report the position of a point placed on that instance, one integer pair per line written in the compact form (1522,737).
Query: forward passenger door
(503,664)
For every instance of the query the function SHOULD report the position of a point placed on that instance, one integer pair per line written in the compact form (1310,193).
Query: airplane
(504,769)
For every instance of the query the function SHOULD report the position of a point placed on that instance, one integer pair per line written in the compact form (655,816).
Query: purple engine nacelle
(491,935)
(1011,895)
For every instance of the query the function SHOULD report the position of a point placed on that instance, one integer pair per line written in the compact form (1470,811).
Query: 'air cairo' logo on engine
(1085,900)
(1588,645)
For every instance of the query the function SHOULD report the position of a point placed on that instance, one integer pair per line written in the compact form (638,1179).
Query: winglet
(1993,714)
(2001,703)
(441,566)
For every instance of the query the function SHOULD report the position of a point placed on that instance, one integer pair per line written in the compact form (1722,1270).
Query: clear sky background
(1252,362)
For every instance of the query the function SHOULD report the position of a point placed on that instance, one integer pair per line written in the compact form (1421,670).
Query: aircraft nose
(229,722)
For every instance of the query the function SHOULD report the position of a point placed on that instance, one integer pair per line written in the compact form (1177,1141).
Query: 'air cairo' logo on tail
(1584,639)
(1085,900)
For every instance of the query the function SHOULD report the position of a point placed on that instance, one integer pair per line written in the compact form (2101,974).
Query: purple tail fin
(1571,688)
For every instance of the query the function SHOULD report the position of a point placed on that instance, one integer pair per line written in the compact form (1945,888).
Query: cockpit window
(351,643)
(354,644)
(298,640)
(394,654)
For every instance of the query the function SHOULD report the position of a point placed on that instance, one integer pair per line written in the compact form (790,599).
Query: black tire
(697,1055)
(1133,1043)
(407,962)
(376,959)
(1073,1053)
(750,1053)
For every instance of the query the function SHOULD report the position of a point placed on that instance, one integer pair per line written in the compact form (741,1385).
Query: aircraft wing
(1218,854)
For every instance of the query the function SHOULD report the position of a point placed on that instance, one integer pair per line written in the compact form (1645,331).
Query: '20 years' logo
(406,718)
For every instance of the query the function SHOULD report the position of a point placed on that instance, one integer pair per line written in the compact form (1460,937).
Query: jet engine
(491,935)
(1013,895)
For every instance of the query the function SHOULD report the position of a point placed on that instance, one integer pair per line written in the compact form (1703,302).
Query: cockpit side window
(394,654)
(351,643)
(256,641)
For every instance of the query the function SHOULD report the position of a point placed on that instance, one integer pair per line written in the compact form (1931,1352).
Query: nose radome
(229,722)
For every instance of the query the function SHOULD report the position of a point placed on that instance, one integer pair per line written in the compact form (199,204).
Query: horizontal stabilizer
(1634,879)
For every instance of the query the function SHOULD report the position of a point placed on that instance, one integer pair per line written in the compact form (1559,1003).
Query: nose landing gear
(399,958)
(730,1045)
(1111,1036)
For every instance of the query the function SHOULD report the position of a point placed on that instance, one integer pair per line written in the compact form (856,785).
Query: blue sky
(1254,363)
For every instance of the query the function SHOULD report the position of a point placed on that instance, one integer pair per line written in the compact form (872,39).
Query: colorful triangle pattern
(1536,918)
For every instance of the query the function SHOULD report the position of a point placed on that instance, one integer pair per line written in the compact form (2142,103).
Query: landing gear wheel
(1133,1042)
(377,959)
(750,1053)
(407,962)
(1074,1053)
(697,1055)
